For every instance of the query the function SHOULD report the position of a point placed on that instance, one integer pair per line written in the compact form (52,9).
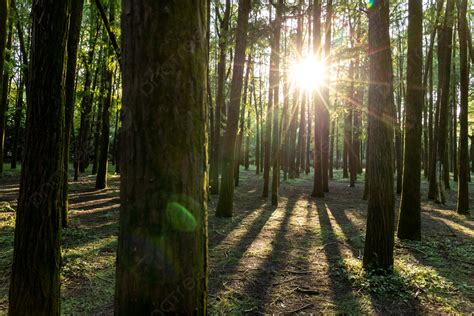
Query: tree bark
(379,240)
(220,100)
(463,185)
(35,277)
(162,246)
(409,226)
(318,185)
(5,32)
(226,195)
(72,46)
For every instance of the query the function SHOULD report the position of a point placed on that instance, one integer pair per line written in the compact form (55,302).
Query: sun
(308,74)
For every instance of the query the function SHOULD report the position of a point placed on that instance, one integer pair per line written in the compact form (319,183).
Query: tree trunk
(72,46)
(82,154)
(226,195)
(463,185)
(4,75)
(409,226)
(276,104)
(220,100)
(240,135)
(379,240)
(35,277)
(18,115)
(325,120)
(318,185)
(162,247)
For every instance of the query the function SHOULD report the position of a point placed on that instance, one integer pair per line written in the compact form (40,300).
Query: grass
(264,258)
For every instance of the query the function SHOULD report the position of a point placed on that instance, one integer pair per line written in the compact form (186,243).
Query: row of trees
(216,68)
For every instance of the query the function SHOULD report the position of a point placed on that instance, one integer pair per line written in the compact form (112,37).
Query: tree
(72,46)
(162,247)
(220,98)
(463,185)
(379,240)
(4,11)
(226,195)
(318,185)
(275,73)
(35,277)
(409,226)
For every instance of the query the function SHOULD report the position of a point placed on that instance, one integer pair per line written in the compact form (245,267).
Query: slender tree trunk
(72,46)
(318,185)
(35,277)
(463,186)
(325,120)
(5,42)
(409,226)
(220,100)
(331,150)
(276,104)
(240,135)
(268,121)
(226,194)
(16,131)
(379,240)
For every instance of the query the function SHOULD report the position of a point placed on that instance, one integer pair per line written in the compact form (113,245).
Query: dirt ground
(302,257)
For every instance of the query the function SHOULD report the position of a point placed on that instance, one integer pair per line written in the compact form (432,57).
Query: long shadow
(274,261)
(343,295)
(238,250)
(355,239)
(227,226)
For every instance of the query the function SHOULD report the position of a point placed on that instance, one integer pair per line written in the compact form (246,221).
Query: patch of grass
(408,281)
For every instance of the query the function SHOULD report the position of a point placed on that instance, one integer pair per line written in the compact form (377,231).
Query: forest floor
(301,257)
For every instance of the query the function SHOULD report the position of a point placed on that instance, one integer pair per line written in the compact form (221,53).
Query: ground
(303,256)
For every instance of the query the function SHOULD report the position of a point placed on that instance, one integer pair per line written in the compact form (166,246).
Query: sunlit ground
(303,256)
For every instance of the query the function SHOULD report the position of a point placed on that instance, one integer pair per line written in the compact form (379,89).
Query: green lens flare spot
(370,4)
(180,218)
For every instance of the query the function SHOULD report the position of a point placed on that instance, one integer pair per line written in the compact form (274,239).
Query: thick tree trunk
(409,226)
(220,101)
(379,240)
(226,194)
(463,185)
(35,277)
(162,247)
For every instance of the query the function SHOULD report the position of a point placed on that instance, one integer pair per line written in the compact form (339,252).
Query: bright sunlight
(308,74)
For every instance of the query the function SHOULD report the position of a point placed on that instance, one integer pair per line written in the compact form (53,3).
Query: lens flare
(308,74)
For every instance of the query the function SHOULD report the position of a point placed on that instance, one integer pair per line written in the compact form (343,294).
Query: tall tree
(463,185)
(162,247)
(325,120)
(409,226)
(4,11)
(226,194)
(220,97)
(441,121)
(35,277)
(275,73)
(318,185)
(379,240)
(107,84)
(72,45)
